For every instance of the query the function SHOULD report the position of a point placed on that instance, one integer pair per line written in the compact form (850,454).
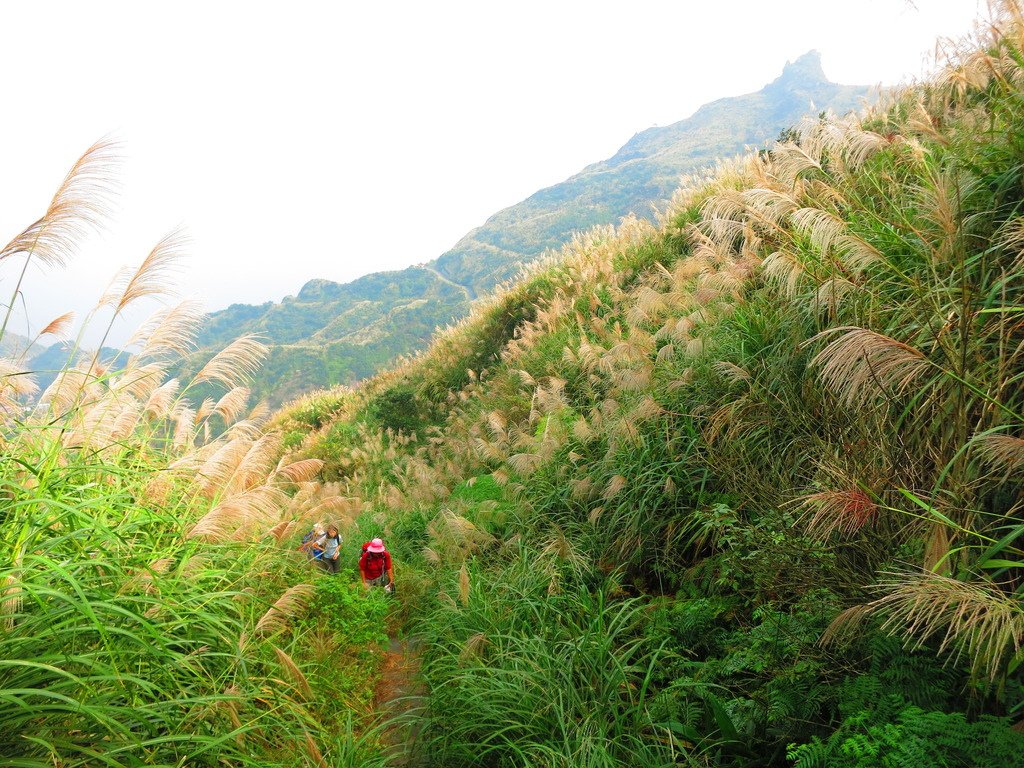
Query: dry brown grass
(289,605)
(844,512)
(150,278)
(973,619)
(234,365)
(295,674)
(1004,452)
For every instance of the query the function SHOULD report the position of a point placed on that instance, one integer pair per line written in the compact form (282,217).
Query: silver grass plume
(862,364)
(80,205)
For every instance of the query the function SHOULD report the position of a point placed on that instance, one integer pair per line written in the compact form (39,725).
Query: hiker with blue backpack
(330,549)
(311,542)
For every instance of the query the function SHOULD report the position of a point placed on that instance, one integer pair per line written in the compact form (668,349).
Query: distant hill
(46,361)
(335,333)
(645,171)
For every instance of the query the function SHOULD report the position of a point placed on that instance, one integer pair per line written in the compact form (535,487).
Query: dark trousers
(329,565)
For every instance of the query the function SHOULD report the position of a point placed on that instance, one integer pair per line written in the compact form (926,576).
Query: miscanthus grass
(149,596)
(806,377)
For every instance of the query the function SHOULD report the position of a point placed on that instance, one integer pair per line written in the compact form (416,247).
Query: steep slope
(644,172)
(743,490)
(332,333)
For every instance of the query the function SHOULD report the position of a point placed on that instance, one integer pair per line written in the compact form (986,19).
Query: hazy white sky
(300,140)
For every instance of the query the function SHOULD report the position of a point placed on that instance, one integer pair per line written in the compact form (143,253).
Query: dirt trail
(470,293)
(399,695)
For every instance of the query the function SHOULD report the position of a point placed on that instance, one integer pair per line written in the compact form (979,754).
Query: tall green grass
(530,667)
(124,641)
(150,594)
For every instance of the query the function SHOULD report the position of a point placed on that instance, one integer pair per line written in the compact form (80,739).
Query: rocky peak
(805,71)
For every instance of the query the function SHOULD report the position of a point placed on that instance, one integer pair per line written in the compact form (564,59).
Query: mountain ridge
(326,319)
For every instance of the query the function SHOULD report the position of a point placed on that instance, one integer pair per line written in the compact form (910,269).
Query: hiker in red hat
(375,566)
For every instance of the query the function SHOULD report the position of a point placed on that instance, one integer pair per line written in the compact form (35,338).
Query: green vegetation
(739,489)
(153,609)
(742,489)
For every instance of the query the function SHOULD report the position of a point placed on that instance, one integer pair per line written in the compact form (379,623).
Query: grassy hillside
(331,333)
(335,334)
(742,488)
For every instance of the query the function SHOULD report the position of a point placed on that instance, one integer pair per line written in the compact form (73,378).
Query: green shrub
(399,409)
(292,438)
(333,447)
(695,628)
(315,410)
(482,488)
(352,613)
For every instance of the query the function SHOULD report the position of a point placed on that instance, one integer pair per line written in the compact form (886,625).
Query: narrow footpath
(468,290)
(400,697)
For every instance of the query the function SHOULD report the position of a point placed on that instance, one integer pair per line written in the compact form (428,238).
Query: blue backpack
(314,554)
